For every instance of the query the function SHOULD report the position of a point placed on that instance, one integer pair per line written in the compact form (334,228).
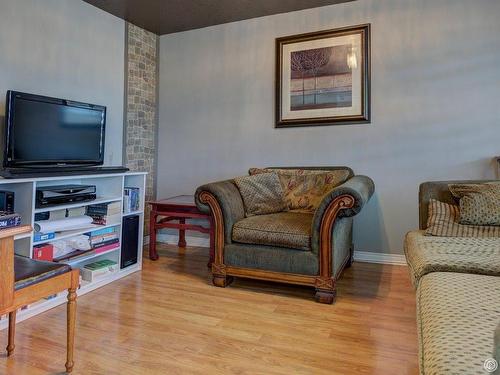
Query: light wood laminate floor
(169,319)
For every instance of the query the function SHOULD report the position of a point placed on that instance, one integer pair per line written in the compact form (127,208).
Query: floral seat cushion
(283,229)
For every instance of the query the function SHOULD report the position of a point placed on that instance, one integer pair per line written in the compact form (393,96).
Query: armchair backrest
(437,190)
(7,263)
(321,168)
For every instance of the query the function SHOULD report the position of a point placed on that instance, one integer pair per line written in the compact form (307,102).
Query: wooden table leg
(71,318)
(182,234)
(12,333)
(153,255)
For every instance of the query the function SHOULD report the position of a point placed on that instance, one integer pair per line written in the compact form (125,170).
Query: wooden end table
(172,213)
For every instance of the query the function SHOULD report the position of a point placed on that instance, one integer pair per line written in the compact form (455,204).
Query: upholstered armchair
(305,248)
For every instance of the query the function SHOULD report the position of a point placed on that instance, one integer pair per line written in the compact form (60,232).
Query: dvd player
(47,196)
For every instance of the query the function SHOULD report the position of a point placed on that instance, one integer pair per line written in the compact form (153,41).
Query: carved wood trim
(325,283)
(219,269)
(289,278)
(325,239)
(218,223)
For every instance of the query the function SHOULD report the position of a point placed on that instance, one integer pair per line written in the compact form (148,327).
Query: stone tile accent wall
(141,107)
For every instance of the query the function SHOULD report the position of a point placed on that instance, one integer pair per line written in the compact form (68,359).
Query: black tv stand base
(58,171)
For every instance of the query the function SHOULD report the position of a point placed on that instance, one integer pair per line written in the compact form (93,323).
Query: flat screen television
(41,132)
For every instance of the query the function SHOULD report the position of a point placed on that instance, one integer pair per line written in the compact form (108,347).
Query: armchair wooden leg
(222,280)
(325,296)
(12,333)
(71,328)
(219,277)
(325,290)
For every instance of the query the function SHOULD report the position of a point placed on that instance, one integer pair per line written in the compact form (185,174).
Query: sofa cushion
(271,258)
(444,219)
(262,193)
(304,189)
(426,254)
(284,229)
(457,315)
(479,203)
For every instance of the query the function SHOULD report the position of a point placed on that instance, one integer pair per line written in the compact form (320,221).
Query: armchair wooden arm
(325,283)
(218,267)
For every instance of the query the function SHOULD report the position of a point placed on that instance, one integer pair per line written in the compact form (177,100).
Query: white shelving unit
(109,188)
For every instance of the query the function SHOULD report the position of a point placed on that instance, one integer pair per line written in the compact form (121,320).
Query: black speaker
(130,240)
(7,201)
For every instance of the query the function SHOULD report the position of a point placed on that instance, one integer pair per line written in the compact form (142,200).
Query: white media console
(109,188)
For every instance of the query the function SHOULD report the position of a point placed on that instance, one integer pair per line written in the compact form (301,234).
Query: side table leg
(182,234)
(153,255)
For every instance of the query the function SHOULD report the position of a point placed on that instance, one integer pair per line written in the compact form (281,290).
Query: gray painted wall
(435,105)
(68,49)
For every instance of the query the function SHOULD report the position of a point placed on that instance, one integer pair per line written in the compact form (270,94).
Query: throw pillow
(443,221)
(304,189)
(262,193)
(479,203)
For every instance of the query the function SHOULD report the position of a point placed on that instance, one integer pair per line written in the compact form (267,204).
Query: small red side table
(165,213)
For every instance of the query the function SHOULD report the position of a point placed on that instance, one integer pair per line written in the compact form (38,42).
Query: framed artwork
(323,78)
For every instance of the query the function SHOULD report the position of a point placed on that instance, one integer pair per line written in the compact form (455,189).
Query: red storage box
(43,252)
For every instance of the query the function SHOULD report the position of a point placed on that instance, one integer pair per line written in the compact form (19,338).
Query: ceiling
(170,16)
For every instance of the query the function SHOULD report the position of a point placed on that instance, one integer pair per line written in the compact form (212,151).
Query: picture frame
(323,78)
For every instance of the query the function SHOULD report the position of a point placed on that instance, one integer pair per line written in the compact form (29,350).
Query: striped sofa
(457,282)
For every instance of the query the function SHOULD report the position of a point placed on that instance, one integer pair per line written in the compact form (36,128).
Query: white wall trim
(382,258)
(360,256)
(172,239)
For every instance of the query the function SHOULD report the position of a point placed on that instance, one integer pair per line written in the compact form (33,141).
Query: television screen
(48,131)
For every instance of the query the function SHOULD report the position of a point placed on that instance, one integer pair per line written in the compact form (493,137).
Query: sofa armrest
(227,197)
(345,200)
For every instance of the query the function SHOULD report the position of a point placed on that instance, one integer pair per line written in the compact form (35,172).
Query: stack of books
(104,239)
(39,236)
(131,199)
(72,256)
(92,271)
(9,219)
(103,212)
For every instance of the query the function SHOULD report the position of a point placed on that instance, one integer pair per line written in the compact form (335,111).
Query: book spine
(102,249)
(43,236)
(126,200)
(104,243)
(136,199)
(99,239)
(97,211)
(101,232)
(10,222)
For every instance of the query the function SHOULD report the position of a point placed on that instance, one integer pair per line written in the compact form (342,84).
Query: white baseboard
(172,239)
(360,256)
(382,258)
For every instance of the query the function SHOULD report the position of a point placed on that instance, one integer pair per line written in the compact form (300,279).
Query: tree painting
(320,78)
